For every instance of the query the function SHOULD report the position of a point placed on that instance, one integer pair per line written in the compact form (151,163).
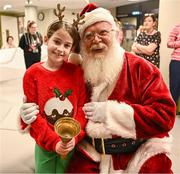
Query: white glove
(28,112)
(96,111)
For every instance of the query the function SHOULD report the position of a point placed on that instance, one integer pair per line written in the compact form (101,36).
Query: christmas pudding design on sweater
(58,106)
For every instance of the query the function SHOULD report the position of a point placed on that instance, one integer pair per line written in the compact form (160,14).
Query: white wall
(169,15)
(9,23)
(30,14)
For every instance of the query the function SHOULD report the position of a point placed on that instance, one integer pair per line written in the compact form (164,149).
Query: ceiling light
(7,7)
(134,13)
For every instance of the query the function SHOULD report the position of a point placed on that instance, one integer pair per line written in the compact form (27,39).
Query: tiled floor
(16,149)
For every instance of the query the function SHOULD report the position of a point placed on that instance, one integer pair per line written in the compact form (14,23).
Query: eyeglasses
(89,36)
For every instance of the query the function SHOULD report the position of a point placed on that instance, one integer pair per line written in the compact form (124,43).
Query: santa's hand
(28,112)
(64,148)
(96,111)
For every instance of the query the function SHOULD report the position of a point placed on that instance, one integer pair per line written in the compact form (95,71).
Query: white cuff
(120,119)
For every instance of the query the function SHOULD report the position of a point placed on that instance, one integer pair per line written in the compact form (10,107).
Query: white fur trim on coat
(119,121)
(97,130)
(150,148)
(147,150)
(89,150)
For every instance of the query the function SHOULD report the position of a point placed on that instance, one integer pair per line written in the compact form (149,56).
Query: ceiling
(18,5)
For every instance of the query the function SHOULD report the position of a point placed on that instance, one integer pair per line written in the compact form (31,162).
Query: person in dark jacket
(31,42)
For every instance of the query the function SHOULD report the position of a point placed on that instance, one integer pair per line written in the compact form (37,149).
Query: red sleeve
(81,101)
(155,113)
(40,130)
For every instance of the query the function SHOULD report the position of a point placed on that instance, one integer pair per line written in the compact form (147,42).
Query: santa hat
(88,8)
(94,14)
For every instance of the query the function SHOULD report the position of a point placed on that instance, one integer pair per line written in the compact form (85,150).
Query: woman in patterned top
(147,43)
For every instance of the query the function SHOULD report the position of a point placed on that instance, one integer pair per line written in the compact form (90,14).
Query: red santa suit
(138,107)
(133,111)
(58,93)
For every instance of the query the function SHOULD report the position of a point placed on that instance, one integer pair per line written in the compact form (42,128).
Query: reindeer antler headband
(58,12)
(78,21)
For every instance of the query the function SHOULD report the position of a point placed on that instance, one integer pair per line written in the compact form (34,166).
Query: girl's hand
(63,148)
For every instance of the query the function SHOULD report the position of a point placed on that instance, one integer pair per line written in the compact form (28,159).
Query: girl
(58,88)
(147,43)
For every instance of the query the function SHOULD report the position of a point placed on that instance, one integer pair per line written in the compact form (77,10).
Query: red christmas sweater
(57,93)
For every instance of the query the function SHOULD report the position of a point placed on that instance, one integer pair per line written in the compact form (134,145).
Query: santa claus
(130,110)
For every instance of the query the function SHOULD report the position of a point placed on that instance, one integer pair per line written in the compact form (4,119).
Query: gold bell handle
(65,140)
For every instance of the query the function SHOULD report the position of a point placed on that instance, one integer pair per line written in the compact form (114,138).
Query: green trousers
(50,162)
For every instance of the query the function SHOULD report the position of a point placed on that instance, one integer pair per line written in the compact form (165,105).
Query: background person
(147,43)
(120,32)
(31,43)
(9,43)
(174,67)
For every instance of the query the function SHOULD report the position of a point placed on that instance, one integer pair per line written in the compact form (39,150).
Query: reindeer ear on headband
(78,21)
(58,12)
(87,8)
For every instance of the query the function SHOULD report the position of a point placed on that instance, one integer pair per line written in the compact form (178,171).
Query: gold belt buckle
(103,147)
(93,142)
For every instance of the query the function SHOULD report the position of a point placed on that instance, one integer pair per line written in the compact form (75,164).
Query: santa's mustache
(97,46)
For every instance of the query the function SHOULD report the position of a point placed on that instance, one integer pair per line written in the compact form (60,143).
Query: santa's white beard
(103,67)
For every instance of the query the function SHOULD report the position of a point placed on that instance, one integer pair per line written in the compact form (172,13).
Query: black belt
(115,145)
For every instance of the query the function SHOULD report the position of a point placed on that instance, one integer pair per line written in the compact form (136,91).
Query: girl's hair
(9,37)
(29,24)
(56,25)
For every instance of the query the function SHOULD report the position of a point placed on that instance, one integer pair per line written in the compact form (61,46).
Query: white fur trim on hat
(97,15)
